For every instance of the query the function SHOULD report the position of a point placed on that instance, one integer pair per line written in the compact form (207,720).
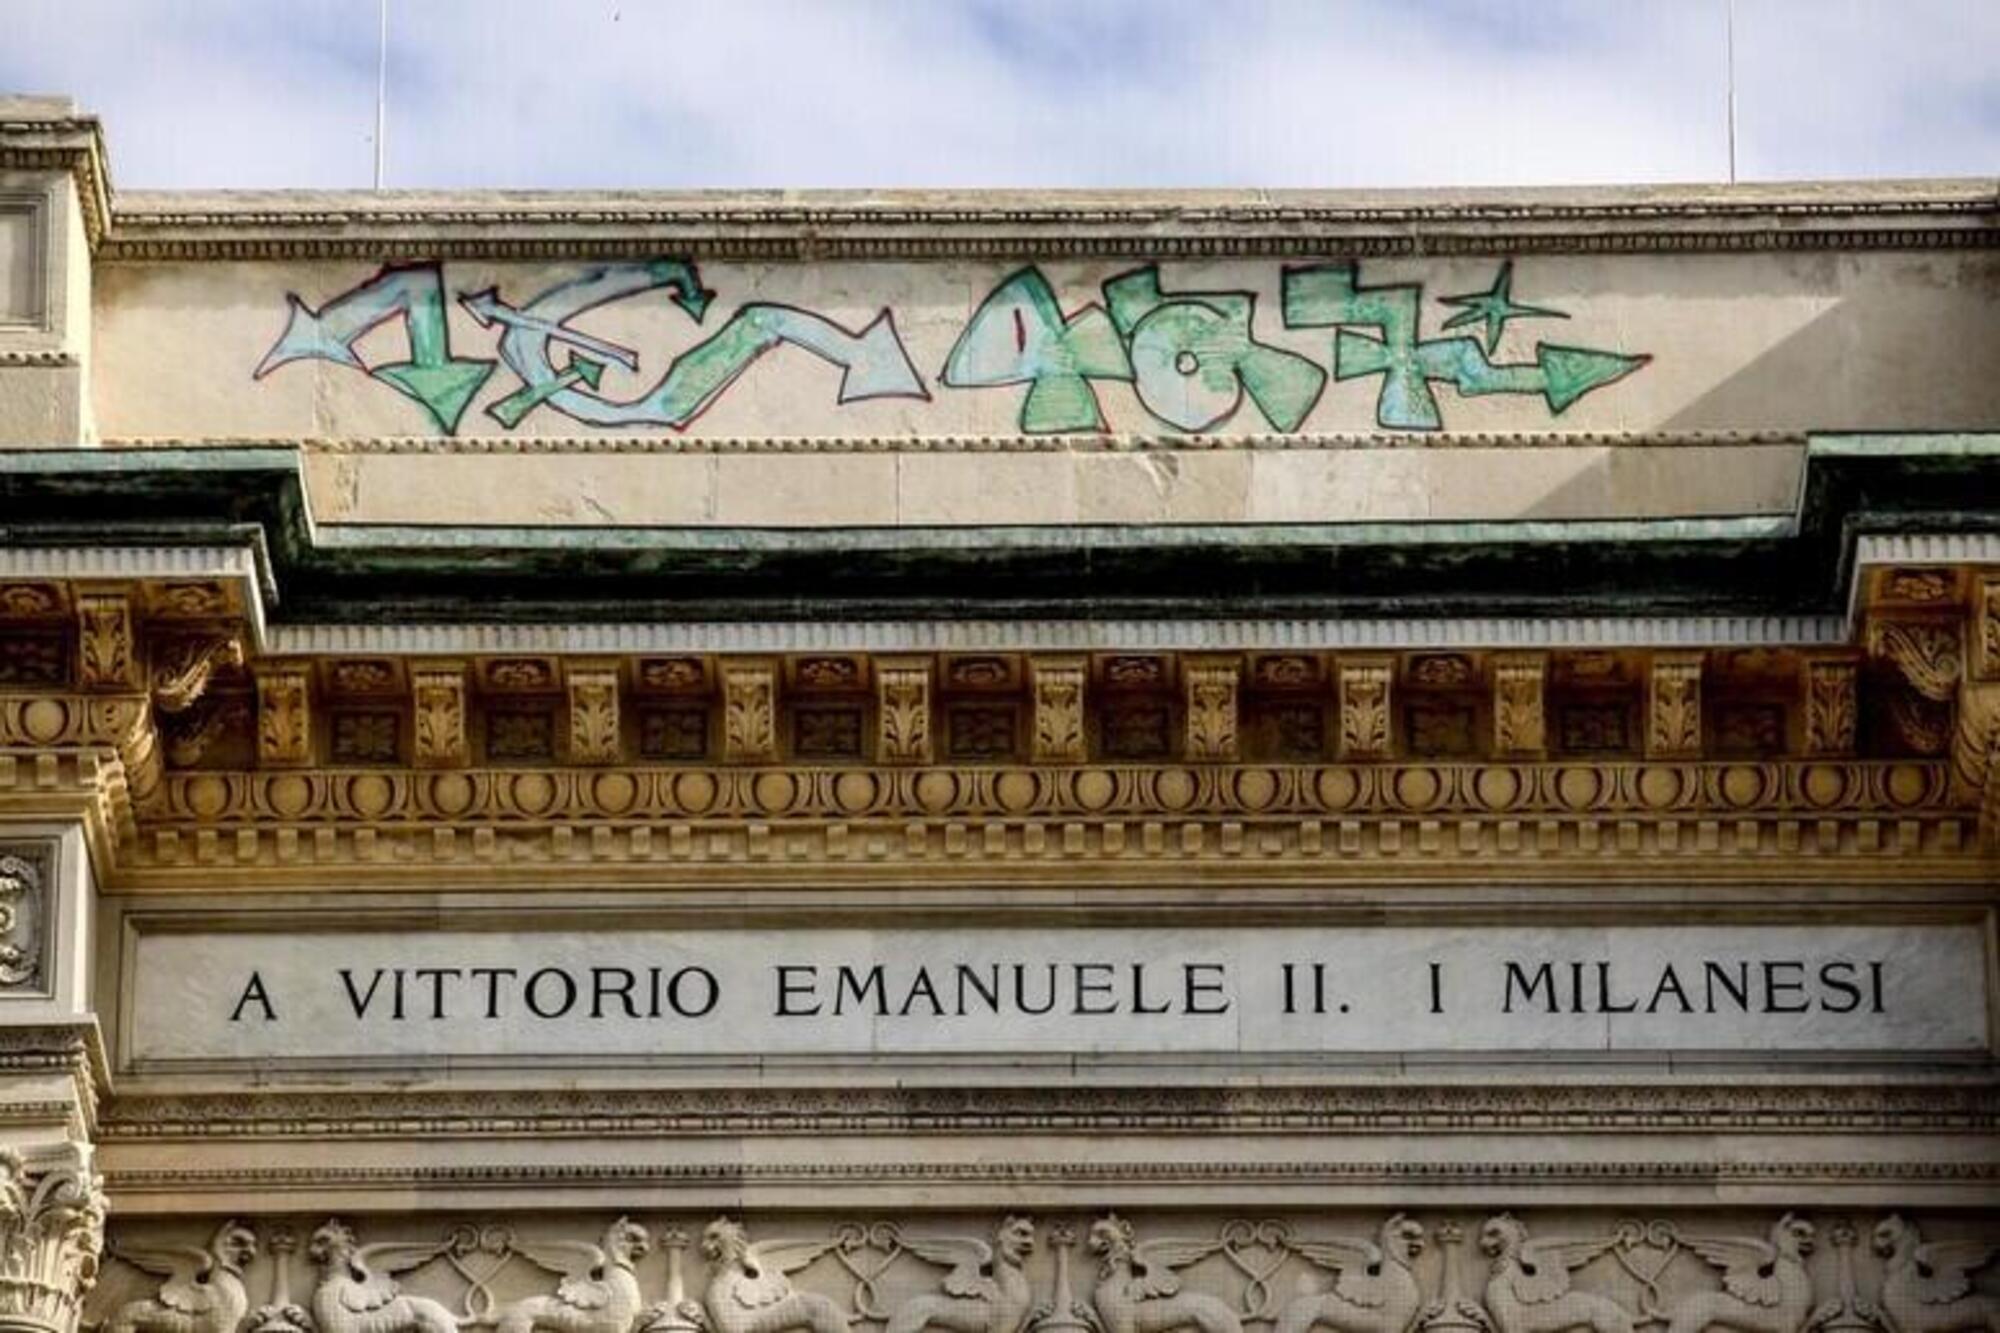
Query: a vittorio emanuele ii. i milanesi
(913,762)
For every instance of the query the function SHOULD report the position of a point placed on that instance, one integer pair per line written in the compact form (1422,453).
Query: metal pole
(381,87)
(1730,27)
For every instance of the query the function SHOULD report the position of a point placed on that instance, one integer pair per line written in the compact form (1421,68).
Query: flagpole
(1730,30)
(381,87)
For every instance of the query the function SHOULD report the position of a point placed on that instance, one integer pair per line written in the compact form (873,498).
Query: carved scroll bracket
(184,665)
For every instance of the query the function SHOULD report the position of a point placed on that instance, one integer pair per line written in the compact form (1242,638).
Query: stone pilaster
(51,1201)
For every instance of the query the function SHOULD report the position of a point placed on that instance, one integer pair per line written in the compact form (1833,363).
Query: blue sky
(1072,93)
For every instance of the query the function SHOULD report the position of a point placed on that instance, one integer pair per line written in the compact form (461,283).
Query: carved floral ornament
(1108,1274)
(51,1239)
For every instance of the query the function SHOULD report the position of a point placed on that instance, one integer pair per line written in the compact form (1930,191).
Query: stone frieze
(1778,1271)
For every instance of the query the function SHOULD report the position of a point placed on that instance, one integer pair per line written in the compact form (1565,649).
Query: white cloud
(1081,93)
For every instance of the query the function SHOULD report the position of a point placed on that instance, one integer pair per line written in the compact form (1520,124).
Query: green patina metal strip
(1853,484)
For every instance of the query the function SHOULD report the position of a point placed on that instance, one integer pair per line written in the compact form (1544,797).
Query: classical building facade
(996,763)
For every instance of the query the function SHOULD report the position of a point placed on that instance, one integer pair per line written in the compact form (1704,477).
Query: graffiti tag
(872,360)
(1191,357)
(443,383)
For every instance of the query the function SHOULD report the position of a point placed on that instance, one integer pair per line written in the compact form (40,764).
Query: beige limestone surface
(1327,483)
(1783,341)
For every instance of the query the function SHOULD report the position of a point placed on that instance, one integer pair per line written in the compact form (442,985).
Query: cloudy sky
(742,93)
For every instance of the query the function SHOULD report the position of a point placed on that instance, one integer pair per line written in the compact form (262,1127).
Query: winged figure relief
(357,1291)
(986,1289)
(1928,1288)
(1139,1289)
(1374,1287)
(1765,1286)
(598,1292)
(203,1291)
(748,1290)
(1529,1289)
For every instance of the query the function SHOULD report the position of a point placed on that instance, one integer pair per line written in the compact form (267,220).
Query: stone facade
(996,762)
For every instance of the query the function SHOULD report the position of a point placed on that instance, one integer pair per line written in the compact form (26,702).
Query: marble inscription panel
(743,994)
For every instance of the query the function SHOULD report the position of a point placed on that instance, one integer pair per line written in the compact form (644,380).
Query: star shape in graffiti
(1495,306)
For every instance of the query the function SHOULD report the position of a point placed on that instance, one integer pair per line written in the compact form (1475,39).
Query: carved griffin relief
(899,1277)
(204,1291)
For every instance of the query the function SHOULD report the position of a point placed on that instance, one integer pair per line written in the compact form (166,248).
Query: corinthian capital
(51,1234)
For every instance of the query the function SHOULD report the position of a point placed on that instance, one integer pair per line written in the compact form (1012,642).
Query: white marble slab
(744,994)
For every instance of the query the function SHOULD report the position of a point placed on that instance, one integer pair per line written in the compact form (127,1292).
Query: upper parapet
(1272,356)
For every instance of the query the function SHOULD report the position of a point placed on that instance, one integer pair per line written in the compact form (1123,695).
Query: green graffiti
(1193,356)
(444,384)
(872,360)
(1331,296)
(1019,335)
(1495,306)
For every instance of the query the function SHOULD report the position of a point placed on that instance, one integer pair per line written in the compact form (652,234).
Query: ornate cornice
(200,752)
(1691,1106)
(73,144)
(990,225)
(87,783)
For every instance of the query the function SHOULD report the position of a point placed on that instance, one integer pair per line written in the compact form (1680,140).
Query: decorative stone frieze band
(1374,1272)
(1923,1105)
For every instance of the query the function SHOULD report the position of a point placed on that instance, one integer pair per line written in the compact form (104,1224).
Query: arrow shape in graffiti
(487,308)
(1560,374)
(872,359)
(1326,295)
(516,405)
(442,383)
